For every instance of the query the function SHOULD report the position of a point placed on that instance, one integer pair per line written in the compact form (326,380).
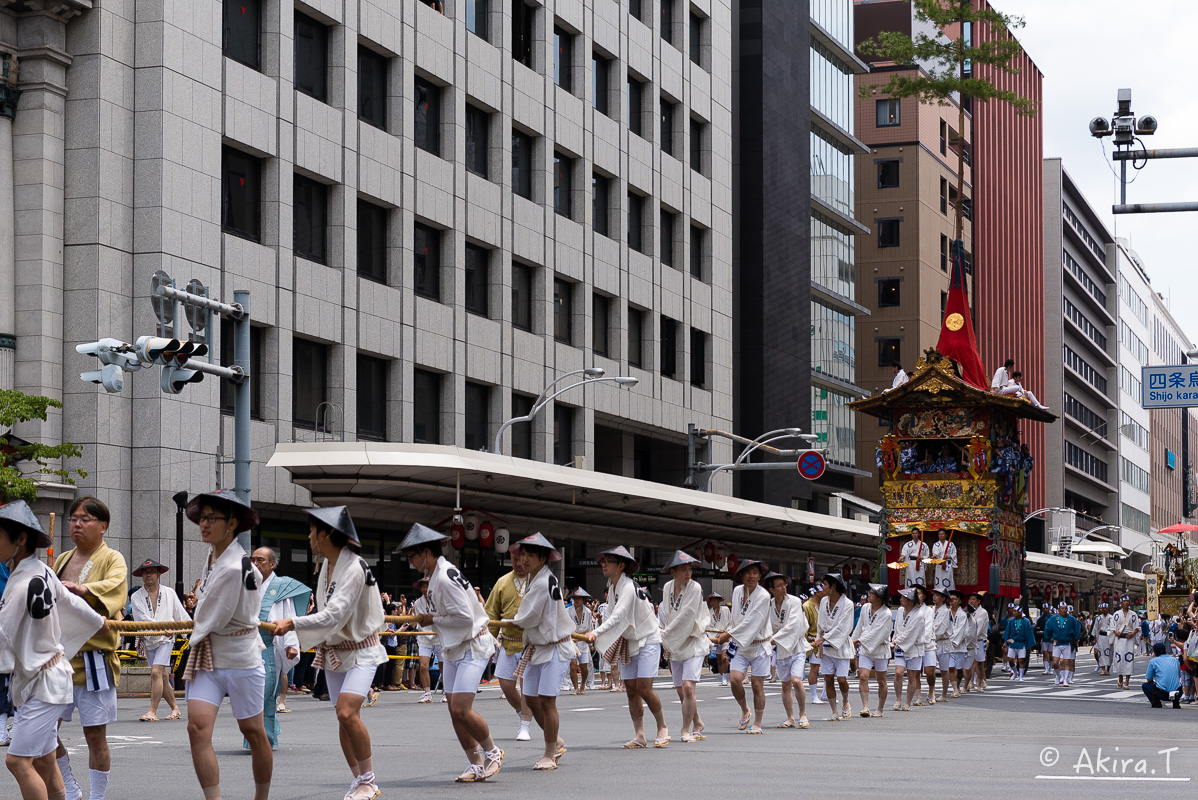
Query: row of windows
(1133,430)
(1097,249)
(1082,459)
(1082,367)
(1167,347)
(1136,520)
(1132,300)
(1128,338)
(241,199)
(1083,414)
(1085,280)
(1133,475)
(1130,384)
(1083,322)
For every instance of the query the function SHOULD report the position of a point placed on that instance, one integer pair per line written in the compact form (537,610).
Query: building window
(943,253)
(667,127)
(600,204)
(372,241)
(523,19)
(372,88)
(478,413)
(667,20)
(696,39)
(242,22)
(522,296)
(668,220)
(522,164)
(636,206)
(697,128)
(563,311)
(309,377)
(227,359)
(888,174)
(563,435)
(636,337)
(241,193)
(563,58)
(889,351)
(634,110)
(697,236)
(600,320)
(311,57)
(600,82)
(634,9)
(426,407)
(311,217)
(476,17)
(563,184)
(888,292)
(888,233)
(944,196)
(426,251)
(427,119)
(478,283)
(477,140)
(888,112)
(669,347)
(372,398)
(943,137)
(698,358)
(522,432)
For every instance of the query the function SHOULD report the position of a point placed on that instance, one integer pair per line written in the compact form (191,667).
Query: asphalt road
(1014,739)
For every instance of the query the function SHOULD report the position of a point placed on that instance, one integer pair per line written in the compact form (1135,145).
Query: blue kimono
(1019,634)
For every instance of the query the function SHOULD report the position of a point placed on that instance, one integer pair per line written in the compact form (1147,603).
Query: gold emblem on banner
(955,322)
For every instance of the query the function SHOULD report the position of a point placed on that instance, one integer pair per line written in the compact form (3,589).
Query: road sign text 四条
(1169,386)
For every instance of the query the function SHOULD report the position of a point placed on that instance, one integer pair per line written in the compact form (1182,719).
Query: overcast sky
(1088,50)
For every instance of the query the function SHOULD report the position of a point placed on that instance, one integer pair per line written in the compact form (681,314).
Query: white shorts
(160,656)
(645,664)
(604,666)
(245,689)
(545,680)
(834,666)
(909,662)
(428,651)
(760,663)
(957,660)
(505,664)
(1064,651)
(721,648)
(979,652)
(35,731)
(355,680)
(793,667)
(688,670)
(969,660)
(584,654)
(812,658)
(95,708)
(1013,652)
(462,677)
(875,664)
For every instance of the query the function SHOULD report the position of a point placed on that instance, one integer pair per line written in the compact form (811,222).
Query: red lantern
(457,536)
(733,563)
(866,572)
(486,534)
(1035,591)
(1073,594)
(709,553)
(1060,590)
(1106,597)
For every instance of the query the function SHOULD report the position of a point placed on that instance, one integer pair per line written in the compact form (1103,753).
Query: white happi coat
(630,617)
(909,632)
(349,610)
(543,617)
(928,615)
(750,627)
(981,626)
(169,610)
(873,631)
(421,606)
(915,552)
(944,575)
(458,616)
(961,636)
(40,619)
(228,603)
(684,633)
(835,625)
(1126,622)
(584,625)
(789,626)
(942,627)
(1103,648)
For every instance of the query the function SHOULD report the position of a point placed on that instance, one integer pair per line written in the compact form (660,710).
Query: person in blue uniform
(1064,631)
(1162,679)
(1020,639)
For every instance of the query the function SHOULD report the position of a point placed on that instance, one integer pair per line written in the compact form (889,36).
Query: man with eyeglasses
(97,573)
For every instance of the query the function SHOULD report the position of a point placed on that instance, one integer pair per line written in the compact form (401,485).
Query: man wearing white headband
(1125,628)
(1019,638)
(1103,642)
(914,552)
(1064,630)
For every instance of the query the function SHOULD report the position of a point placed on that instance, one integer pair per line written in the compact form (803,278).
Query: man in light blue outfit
(1162,679)
(1064,630)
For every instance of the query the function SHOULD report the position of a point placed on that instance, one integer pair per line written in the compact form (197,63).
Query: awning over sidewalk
(1042,565)
(405,483)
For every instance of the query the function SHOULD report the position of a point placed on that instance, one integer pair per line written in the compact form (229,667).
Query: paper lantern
(457,536)
(709,553)
(1060,590)
(503,538)
(1106,598)
(471,524)
(866,572)
(733,563)
(486,534)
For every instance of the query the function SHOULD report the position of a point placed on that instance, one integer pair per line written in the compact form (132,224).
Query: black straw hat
(247,517)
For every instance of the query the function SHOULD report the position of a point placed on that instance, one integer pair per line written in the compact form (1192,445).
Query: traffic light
(116,356)
(110,376)
(152,349)
(175,378)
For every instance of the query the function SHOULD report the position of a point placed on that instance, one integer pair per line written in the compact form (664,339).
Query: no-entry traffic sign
(811,465)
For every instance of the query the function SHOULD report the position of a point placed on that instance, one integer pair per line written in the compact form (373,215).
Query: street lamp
(761,441)
(589,375)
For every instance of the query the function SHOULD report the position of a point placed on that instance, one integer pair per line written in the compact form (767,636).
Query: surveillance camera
(1146,126)
(458,519)
(1099,127)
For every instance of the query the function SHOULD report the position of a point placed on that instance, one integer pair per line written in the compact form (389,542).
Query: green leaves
(16,407)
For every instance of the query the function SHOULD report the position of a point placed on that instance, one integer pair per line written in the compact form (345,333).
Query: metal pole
(1122,183)
(180,499)
(690,457)
(241,406)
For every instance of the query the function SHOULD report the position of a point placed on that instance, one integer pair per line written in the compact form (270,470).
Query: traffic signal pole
(241,404)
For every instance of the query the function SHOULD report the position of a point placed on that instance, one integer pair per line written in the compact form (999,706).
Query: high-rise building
(1135,423)
(1171,430)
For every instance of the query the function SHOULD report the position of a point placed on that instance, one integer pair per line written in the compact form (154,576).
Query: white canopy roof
(1100,548)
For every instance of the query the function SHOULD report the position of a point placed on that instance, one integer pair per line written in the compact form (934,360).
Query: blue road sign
(811,465)
(1169,387)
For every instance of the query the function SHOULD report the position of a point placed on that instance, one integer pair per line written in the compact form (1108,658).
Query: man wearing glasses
(99,575)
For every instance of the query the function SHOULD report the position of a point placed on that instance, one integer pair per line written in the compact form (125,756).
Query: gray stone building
(436,216)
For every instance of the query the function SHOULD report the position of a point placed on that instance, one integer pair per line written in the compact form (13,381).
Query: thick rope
(151,628)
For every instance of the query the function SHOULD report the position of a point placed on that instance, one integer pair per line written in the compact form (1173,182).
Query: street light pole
(590,375)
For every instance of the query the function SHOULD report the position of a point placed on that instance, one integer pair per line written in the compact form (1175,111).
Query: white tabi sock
(68,779)
(211,792)
(99,784)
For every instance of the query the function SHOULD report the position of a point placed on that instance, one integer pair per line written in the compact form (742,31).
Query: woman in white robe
(684,634)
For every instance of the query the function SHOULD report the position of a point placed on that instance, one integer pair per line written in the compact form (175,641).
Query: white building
(1135,336)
